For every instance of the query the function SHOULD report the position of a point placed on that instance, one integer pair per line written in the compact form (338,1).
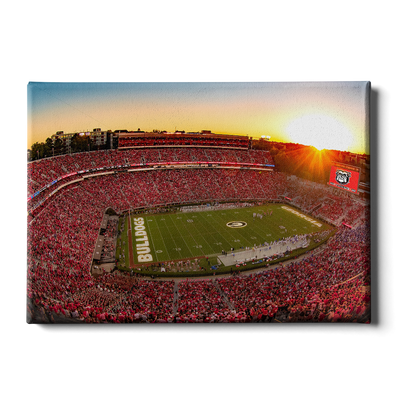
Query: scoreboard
(345,177)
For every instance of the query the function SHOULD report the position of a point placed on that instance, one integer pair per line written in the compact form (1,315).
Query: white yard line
(184,238)
(162,237)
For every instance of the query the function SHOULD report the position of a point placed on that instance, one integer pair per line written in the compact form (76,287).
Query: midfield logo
(236,224)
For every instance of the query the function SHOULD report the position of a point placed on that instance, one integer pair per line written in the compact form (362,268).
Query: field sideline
(181,235)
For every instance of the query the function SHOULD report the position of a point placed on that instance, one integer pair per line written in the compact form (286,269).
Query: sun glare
(321,131)
(319,147)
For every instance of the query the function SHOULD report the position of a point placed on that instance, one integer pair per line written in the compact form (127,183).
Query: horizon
(325,115)
(230,134)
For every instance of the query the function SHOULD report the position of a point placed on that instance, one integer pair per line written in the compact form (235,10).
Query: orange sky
(325,115)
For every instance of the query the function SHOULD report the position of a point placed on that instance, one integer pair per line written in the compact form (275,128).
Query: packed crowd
(200,301)
(305,195)
(181,140)
(64,232)
(356,212)
(125,191)
(320,202)
(45,171)
(330,210)
(61,237)
(332,285)
(110,239)
(310,289)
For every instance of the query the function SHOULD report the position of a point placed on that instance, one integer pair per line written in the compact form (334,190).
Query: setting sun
(321,131)
(327,115)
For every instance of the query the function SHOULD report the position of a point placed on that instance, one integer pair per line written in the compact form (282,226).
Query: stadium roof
(192,135)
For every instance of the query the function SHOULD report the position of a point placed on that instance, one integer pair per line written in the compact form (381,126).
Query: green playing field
(181,235)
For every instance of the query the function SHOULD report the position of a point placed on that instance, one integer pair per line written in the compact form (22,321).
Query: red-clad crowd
(182,140)
(124,191)
(122,299)
(110,240)
(310,289)
(356,212)
(332,285)
(319,201)
(201,301)
(45,171)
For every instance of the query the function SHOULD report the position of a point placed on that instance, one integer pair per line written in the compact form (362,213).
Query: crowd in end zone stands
(125,191)
(332,285)
(320,202)
(110,234)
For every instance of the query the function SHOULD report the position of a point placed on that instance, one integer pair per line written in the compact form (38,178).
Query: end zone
(306,217)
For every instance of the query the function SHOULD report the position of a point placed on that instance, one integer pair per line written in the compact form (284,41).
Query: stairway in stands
(175,302)
(223,295)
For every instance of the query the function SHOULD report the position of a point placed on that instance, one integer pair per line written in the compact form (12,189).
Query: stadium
(193,227)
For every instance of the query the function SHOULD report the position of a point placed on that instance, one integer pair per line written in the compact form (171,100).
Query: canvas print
(198,203)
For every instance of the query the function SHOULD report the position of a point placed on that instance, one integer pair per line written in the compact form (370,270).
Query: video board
(345,177)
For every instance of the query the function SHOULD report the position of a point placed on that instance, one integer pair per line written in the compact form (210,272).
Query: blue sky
(279,110)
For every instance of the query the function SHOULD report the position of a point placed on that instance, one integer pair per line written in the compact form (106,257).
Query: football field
(182,235)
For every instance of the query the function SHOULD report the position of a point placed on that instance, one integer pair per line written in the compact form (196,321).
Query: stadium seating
(43,172)
(332,285)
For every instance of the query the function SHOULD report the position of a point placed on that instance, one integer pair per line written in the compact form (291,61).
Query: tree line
(305,161)
(51,148)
